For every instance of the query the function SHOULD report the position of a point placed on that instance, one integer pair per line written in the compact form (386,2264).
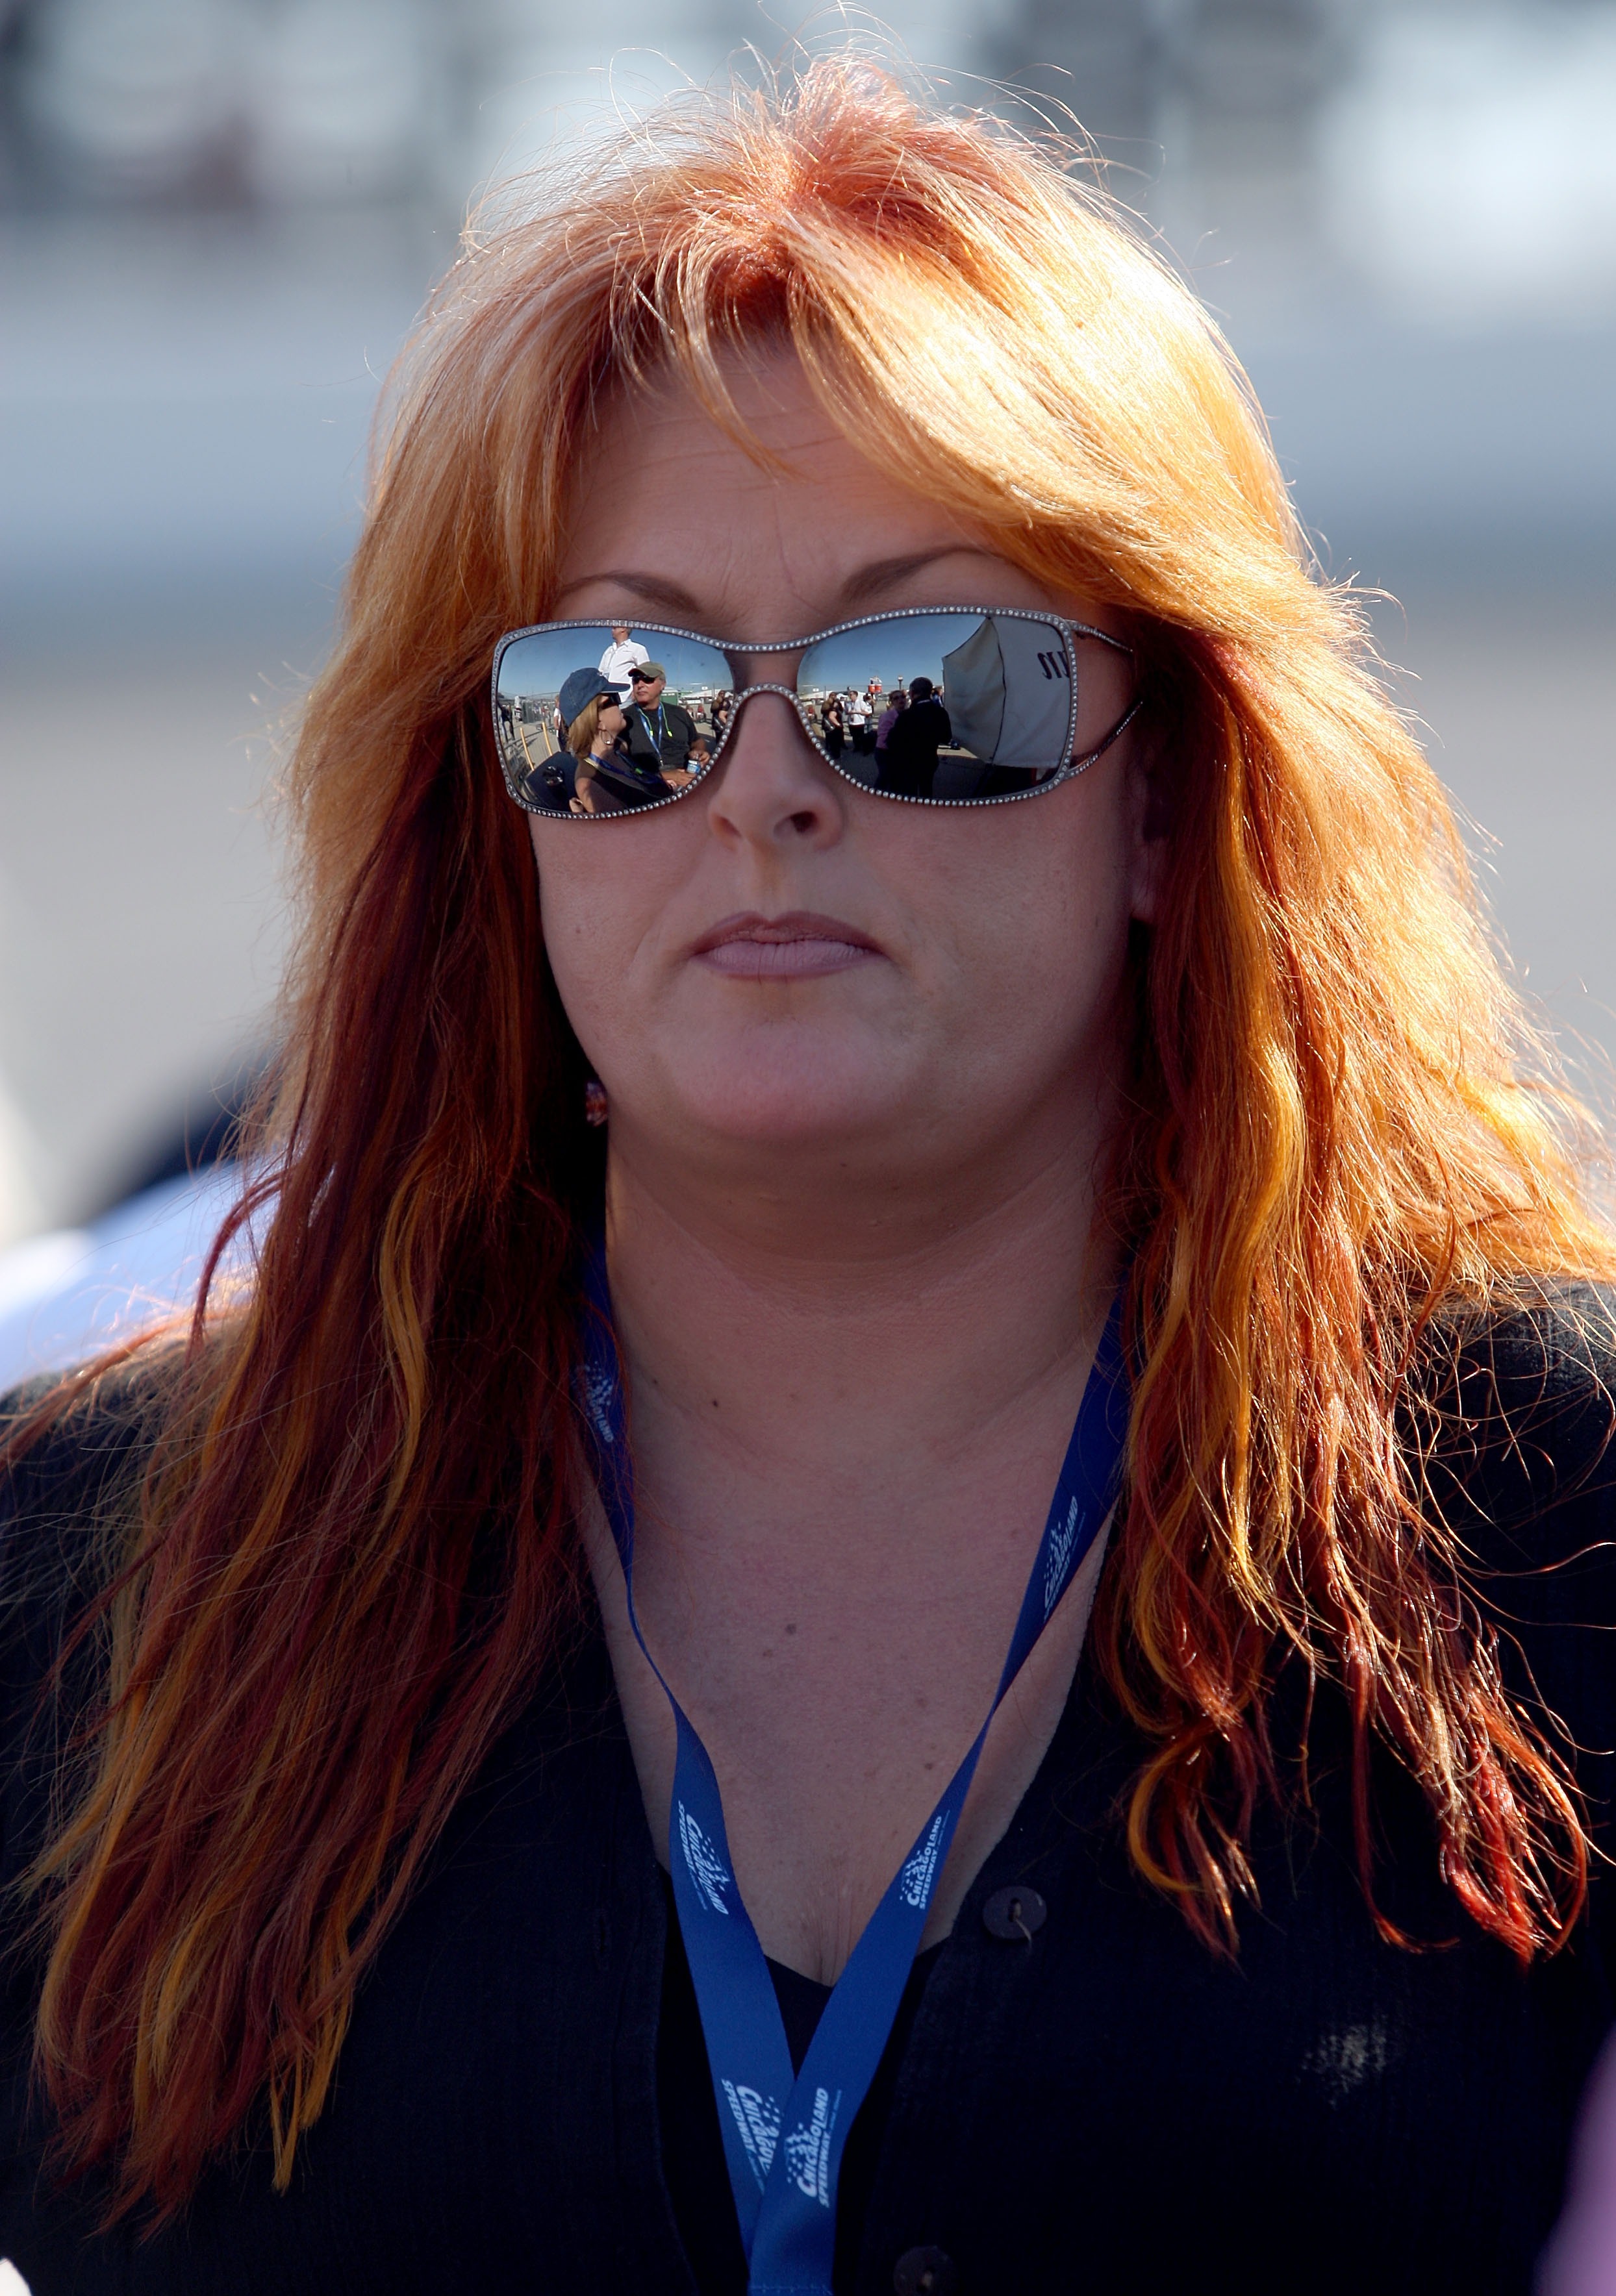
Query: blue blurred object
(65,1295)
(206,1131)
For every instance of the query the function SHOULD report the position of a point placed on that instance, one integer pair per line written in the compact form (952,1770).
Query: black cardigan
(1110,2107)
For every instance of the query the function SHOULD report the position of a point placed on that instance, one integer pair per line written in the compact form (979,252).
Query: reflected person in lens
(598,776)
(661,732)
(901,1573)
(608,773)
(919,731)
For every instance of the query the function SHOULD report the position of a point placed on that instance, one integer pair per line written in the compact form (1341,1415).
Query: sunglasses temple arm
(1080,765)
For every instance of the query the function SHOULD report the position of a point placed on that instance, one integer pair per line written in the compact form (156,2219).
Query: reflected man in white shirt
(621,657)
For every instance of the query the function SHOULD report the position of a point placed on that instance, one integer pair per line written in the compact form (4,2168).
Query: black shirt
(618,780)
(1107,2107)
(912,748)
(920,731)
(692,2143)
(662,737)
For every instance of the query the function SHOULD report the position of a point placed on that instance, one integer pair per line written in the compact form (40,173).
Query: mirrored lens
(661,739)
(962,707)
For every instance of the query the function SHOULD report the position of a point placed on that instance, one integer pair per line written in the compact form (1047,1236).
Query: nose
(772,787)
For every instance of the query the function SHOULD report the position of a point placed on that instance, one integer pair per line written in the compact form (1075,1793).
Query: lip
(801,945)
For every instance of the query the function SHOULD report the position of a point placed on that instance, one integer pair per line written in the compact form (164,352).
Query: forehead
(654,447)
(773,523)
(658,414)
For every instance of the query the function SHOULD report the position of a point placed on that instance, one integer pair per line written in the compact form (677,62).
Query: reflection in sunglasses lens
(959,706)
(557,754)
(971,705)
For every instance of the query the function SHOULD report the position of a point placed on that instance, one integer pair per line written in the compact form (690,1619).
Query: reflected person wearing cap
(661,734)
(601,778)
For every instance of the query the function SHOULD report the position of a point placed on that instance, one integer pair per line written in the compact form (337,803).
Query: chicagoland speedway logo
(920,1867)
(708,1870)
(1060,1555)
(599,1394)
(808,2148)
(757,2118)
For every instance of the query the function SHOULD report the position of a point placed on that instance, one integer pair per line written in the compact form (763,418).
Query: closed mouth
(796,946)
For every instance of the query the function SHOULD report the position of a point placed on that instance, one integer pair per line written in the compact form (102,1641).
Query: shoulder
(88,1453)
(1519,1404)
(62,1499)
(1518,1461)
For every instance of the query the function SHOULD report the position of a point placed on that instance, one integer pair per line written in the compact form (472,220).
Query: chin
(805,1098)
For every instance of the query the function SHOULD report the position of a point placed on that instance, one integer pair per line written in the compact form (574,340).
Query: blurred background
(217,218)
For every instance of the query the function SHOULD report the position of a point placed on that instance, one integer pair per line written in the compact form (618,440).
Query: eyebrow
(866,583)
(652,588)
(871,580)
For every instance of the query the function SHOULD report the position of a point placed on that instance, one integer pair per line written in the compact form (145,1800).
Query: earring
(594,1101)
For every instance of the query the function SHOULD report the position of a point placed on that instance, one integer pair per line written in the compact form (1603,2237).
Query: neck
(788,1327)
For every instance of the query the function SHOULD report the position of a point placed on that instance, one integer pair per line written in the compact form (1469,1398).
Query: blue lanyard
(661,735)
(783,2134)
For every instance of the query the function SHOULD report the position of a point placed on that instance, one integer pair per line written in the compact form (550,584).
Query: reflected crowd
(600,718)
(617,736)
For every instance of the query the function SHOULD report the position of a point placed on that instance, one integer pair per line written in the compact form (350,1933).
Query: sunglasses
(1020,703)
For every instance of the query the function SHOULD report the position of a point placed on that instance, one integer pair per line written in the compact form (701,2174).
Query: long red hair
(352,1548)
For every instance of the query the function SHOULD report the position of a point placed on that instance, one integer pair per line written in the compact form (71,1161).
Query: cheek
(594,912)
(614,897)
(1042,894)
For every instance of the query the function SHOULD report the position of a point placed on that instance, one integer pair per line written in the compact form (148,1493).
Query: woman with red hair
(559,1738)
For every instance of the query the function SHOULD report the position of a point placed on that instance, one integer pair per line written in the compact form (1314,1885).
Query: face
(647,691)
(610,721)
(783,968)
(620,631)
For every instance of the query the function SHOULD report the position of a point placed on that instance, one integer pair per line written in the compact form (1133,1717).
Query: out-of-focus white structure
(1467,164)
